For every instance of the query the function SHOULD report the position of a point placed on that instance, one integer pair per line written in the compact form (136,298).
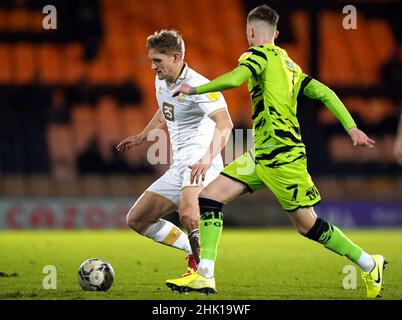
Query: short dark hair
(166,42)
(264,13)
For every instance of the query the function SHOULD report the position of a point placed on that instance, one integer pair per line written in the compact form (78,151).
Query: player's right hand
(127,143)
(183,88)
(359,138)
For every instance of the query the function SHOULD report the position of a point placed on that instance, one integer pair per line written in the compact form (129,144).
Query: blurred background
(69,95)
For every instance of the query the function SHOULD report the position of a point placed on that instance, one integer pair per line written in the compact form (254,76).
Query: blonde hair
(166,42)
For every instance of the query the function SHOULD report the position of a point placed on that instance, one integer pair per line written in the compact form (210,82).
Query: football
(95,275)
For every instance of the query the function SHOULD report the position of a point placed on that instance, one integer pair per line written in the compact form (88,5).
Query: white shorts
(177,177)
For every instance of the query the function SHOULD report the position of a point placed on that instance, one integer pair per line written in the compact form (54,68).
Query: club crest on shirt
(181,97)
(245,55)
(213,96)
(159,91)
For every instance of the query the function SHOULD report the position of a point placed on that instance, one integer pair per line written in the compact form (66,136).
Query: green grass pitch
(252,264)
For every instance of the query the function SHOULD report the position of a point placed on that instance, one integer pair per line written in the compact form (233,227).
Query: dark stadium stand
(68,96)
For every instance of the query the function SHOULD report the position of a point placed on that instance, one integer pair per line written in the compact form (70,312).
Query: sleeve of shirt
(254,59)
(251,63)
(210,103)
(229,80)
(316,90)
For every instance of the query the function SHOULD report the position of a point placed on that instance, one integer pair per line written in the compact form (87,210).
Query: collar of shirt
(180,78)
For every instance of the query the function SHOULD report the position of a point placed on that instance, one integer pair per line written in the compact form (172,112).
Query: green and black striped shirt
(274,82)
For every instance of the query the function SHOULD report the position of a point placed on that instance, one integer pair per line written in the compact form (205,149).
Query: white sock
(168,234)
(366,262)
(206,268)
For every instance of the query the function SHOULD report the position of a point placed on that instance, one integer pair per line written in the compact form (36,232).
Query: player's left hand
(183,88)
(359,138)
(198,170)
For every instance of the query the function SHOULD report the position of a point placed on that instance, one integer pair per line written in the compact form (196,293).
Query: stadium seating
(28,57)
(349,56)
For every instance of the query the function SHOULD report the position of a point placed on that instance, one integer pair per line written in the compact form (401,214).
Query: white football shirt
(188,117)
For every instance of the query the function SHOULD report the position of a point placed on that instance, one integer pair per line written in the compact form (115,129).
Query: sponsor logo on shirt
(245,55)
(213,96)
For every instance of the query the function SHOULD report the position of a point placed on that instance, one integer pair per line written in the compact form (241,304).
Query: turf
(252,264)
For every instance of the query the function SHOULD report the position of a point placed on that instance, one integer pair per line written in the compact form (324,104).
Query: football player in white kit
(199,127)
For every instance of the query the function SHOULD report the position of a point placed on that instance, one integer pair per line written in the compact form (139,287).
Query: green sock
(211,226)
(333,239)
(342,245)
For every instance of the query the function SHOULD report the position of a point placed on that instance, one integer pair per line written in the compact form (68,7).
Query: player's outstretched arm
(316,90)
(221,135)
(158,121)
(232,79)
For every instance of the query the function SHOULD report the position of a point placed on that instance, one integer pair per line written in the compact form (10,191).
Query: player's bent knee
(208,193)
(304,220)
(138,225)
(222,190)
(131,221)
(302,229)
